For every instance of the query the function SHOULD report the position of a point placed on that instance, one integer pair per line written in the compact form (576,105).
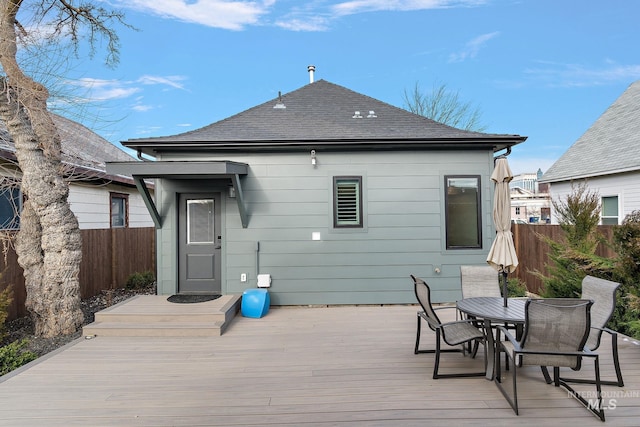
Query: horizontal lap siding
(625,186)
(91,205)
(288,199)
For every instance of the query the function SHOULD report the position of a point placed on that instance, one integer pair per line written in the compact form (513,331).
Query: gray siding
(288,199)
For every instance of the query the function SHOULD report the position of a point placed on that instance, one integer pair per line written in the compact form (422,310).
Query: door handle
(217,247)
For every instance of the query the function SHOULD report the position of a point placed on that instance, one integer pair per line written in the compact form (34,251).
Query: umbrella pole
(504,287)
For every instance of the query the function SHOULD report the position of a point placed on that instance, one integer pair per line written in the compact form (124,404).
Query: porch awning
(182,170)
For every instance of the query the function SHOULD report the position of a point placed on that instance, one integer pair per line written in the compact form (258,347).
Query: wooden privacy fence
(109,256)
(532,251)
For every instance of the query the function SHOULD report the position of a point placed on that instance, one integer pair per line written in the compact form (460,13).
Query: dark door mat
(188,299)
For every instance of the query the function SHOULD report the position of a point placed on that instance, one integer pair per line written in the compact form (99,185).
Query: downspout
(503,155)
(140,156)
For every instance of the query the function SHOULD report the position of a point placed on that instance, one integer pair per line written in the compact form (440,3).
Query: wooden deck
(330,366)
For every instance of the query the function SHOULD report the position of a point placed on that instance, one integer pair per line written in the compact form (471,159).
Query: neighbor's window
(462,211)
(610,210)
(119,210)
(10,208)
(347,202)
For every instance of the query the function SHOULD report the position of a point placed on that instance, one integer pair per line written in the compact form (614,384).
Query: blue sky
(546,69)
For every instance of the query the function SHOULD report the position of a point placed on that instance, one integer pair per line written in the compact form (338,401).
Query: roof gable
(318,112)
(611,145)
(81,147)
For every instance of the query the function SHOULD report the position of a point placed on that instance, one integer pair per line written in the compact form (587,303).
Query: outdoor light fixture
(232,191)
(313,157)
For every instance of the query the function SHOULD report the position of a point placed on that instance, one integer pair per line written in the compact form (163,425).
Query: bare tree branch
(444,106)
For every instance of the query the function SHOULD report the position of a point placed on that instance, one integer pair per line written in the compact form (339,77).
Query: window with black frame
(463,212)
(10,208)
(119,210)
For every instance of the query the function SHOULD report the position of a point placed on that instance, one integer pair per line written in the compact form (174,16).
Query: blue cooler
(255,303)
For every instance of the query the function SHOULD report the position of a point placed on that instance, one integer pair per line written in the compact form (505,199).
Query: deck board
(321,366)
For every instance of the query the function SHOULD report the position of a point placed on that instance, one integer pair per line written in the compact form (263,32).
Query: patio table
(492,311)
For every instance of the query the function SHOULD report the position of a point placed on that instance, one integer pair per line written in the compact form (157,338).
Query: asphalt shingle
(611,145)
(322,111)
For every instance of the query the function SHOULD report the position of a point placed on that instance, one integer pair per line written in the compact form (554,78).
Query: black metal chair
(555,333)
(603,294)
(456,333)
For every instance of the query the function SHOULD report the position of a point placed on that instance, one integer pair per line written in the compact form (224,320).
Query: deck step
(160,329)
(154,316)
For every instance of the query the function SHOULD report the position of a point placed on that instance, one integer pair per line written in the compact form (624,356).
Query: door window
(200,228)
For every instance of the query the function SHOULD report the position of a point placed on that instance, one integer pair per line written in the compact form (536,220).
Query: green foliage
(627,244)
(626,239)
(140,280)
(516,288)
(6,297)
(574,257)
(14,355)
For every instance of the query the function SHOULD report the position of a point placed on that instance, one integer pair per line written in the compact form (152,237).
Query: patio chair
(479,281)
(456,333)
(555,333)
(603,293)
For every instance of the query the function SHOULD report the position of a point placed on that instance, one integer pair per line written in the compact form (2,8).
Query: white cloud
(229,15)
(173,81)
(308,16)
(141,108)
(472,47)
(360,6)
(311,23)
(579,75)
(104,90)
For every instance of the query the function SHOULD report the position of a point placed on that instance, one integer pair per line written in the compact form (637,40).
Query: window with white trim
(347,202)
(609,211)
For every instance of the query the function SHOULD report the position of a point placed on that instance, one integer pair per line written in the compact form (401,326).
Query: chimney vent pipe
(311,69)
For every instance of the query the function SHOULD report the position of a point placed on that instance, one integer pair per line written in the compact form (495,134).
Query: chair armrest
(507,334)
(609,331)
(426,318)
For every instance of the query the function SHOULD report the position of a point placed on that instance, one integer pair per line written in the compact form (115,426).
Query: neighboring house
(607,156)
(336,195)
(529,207)
(99,200)
(530,201)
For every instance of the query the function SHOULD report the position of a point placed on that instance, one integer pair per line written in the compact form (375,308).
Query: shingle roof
(319,112)
(611,145)
(80,146)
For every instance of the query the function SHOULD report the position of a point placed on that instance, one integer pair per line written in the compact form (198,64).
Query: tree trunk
(49,245)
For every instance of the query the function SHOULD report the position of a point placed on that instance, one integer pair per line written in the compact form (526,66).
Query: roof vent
(280,105)
(357,115)
(311,69)
(371,115)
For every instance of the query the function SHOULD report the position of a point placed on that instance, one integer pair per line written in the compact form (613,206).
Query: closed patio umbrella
(502,255)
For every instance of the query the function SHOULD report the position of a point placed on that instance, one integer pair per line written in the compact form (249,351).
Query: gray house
(336,195)
(607,156)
